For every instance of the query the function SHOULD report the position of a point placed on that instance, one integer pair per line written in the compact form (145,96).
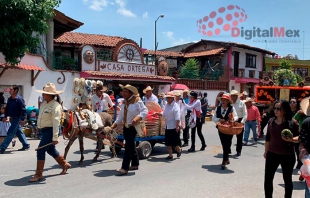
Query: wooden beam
(2,72)
(34,77)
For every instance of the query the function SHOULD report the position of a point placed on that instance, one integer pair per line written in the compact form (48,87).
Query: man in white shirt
(100,100)
(242,116)
(132,112)
(149,96)
(183,110)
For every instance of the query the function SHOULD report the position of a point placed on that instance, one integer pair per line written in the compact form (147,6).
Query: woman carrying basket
(224,113)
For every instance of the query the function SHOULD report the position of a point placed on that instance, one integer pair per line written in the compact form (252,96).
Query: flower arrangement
(285,77)
(286,133)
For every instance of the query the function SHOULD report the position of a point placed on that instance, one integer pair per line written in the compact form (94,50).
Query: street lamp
(160,16)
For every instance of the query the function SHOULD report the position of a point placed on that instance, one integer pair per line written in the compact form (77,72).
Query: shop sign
(127,68)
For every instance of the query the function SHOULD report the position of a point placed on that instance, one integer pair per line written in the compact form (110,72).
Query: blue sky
(134,19)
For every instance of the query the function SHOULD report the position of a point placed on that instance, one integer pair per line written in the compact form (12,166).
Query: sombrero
(99,82)
(76,81)
(148,88)
(75,100)
(76,89)
(169,95)
(234,92)
(225,96)
(82,81)
(248,99)
(304,105)
(101,88)
(177,93)
(50,89)
(245,93)
(81,89)
(186,91)
(130,88)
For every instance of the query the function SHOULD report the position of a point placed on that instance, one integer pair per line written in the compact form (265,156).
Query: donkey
(76,126)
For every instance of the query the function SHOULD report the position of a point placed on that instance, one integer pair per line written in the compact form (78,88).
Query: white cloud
(123,10)
(180,41)
(97,5)
(169,34)
(145,15)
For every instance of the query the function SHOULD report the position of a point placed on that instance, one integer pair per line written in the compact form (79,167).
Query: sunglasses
(293,102)
(277,108)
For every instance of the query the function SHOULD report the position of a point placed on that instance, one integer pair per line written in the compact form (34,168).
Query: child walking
(4,125)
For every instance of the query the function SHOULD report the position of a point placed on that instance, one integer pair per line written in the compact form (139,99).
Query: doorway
(236,63)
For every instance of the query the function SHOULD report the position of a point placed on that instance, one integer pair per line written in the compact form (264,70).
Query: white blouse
(171,115)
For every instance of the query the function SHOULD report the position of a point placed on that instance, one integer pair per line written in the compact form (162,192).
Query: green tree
(285,64)
(190,69)
(298,78)
(22,21)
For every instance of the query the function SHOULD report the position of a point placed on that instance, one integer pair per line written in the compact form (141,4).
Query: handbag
(192,119)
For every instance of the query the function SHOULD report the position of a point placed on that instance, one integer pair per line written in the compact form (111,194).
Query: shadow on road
(297,185)
(220,155)
(110,173)
(24,181)
(155,159)
(217,169)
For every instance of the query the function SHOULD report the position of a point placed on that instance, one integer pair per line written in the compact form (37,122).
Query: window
(250,60)
(303,72)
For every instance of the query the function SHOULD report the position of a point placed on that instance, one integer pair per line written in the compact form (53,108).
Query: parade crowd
(183,111)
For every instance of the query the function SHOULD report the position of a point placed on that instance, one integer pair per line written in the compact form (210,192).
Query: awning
(122,76)
(31,68)
(246,80)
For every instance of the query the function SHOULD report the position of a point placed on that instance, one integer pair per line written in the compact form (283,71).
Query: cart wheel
(144,150)
(117,149)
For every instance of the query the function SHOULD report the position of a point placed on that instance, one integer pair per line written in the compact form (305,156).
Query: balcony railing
(251,73)
(203,84)
(64,62)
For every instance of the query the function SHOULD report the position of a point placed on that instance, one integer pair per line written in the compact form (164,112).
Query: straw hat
(99,82)
(177,93)
(234,92)
(130,88)
(304,105)
(50,89)
(245,93)
(225,96)
(88,102)
(81,89)
(169,95)
(76,90)
(101,88)
(148,88)
(186,91)
(248,99)
(75,100)
(82,81)
(76,81)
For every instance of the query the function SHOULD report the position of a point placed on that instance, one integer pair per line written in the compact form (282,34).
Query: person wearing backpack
(279,150)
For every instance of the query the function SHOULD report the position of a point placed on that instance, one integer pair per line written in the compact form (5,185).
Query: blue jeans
(248,126)
(307,193)
(47,137)
(15,129)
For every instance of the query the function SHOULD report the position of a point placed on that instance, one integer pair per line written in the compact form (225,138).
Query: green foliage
(298,78)
(285,64)
(190,69)
(22,21)
(284,74)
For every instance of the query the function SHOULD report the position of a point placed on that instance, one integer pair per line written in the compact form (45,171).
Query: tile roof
(164,53)
(21,67)
(205,53)
(88,39)
(131,76)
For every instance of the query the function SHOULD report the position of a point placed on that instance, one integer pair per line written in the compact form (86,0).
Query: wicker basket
(235,129)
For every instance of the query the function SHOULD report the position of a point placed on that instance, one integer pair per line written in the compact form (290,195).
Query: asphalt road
(193,175)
